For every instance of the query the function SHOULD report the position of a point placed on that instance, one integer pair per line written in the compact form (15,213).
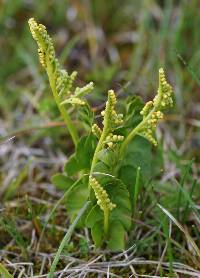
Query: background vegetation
(119,45)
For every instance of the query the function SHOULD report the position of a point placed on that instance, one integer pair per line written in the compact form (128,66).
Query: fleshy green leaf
(117,233)
(120,196)
(134,106)
(100,167)
(102,172)
(138,155)
(82,158)
(61,181)
(72,166)
(108,157)
(76,199)
(97,233)
(86,116)
(85,151)
(94,216)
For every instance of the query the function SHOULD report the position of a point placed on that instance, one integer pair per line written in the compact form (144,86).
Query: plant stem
(106,221)
(100,144)
(62,110)
(97,150)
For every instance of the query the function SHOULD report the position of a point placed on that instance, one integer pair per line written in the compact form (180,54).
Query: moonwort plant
(61,82)
(104,157)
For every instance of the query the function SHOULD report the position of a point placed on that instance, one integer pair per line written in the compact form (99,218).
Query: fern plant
(105,157)
(60,81)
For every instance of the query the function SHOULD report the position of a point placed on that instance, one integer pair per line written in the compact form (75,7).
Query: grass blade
(66,239)
(136,189)
(4,272)
(181,186)
(11,228)
(190,203)
(15,183)
(187,235)
(54,209)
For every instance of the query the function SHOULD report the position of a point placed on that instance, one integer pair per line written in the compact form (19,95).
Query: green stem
(62,110)
(106,221)
(100,143)
(97,150)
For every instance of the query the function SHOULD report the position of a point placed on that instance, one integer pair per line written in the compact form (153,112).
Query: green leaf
(82,158)
(85,151)
(94,216)
(61,181)
(86,116)
(134,106)
(119,195)
(108,157)
(117,233)
(100,167)
(76,199)
(128,175)
(102,172)
(138,154)
(71,166)
(97,233)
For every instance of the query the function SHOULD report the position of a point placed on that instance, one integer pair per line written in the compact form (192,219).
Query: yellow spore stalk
(45,44)
(107,138)
(111,120)
(101,195)
(163,99)
(150,127)
(103,201)
(152,112)
(60,81)
(152,109)
(96,130)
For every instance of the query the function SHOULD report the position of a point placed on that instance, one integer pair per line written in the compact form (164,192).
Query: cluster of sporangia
(111,120)
(102,197)
(62,81)
(152,110)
